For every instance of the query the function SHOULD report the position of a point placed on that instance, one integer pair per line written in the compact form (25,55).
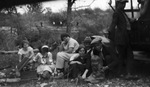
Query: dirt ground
(141,72)
(28,79)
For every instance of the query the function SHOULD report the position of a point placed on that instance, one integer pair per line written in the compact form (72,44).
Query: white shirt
(71,43)
(27,52)
(42,60)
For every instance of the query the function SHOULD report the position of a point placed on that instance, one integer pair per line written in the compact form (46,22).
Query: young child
(96,57)
(45,63)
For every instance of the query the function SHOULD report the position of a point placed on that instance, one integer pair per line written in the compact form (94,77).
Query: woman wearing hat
(45,62)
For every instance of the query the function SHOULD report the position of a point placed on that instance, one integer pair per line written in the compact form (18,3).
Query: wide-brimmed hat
(96,40)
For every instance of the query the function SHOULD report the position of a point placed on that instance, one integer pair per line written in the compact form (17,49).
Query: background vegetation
(42,26)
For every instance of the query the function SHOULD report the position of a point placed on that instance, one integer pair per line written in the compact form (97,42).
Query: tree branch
(85,5)
(72,2)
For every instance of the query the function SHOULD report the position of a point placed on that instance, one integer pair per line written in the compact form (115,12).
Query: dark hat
(87,40)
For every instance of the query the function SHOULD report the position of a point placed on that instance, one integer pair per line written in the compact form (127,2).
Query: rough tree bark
(69,16)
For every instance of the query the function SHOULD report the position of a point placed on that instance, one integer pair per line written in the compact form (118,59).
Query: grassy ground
(116,82)
(29,79)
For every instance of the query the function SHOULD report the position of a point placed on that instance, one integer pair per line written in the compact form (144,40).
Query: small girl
(45,63)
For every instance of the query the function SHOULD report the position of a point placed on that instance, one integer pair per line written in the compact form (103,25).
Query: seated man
(109,52)
(94,48)
(67,49)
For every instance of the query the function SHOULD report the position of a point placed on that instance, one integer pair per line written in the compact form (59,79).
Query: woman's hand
(83,76)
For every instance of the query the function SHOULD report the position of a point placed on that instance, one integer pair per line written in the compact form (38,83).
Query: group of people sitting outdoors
(90,59)
(85,61)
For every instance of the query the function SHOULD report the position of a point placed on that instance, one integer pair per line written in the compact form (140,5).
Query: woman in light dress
(44,59)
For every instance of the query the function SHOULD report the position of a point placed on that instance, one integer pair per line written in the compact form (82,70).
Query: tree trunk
(69,16)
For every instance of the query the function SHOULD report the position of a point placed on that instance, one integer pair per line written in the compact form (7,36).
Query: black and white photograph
(74,43)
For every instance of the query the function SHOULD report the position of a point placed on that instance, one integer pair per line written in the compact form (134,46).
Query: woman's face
(82,51)
(44,50)
(25,45)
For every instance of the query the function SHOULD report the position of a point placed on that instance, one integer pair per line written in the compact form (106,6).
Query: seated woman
(80,63)
(45,63)
(25,55)
(26,51)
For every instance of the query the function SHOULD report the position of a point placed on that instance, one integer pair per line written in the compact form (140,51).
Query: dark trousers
(76,69)
(111,55)
(125,58)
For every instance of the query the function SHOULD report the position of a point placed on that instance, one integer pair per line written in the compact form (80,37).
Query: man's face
(121,5)
(98,46)
(65,39)
(87,45)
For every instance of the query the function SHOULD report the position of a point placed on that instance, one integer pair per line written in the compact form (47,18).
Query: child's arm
(50,59)
(36,57)
(20,55)
(31,53)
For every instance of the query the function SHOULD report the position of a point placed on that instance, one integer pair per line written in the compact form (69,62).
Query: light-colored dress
(45,63)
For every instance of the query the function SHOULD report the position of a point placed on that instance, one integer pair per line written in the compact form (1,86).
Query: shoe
(74,80)
(91,79)
(104,68)
(59,75)
(100,76)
